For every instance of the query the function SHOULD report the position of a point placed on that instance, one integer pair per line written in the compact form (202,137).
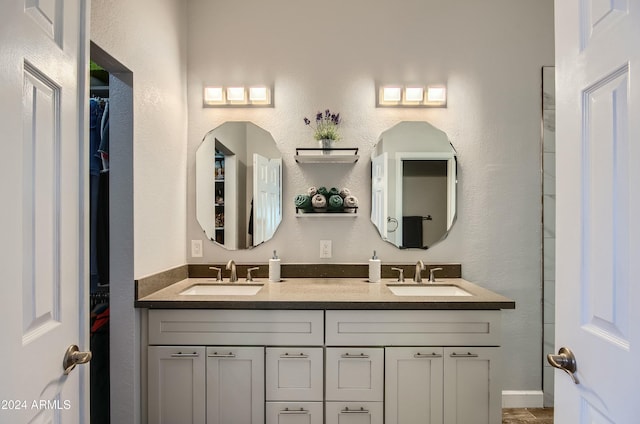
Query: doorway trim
(124,320)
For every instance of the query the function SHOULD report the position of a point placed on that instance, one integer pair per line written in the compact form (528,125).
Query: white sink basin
(222,290)
(427,290)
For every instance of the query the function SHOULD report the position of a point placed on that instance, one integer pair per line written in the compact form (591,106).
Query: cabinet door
(176,377)
(294,374)
(413,385)
(354,413)
(355,374)
(471,386)
(294,413)
(235,385)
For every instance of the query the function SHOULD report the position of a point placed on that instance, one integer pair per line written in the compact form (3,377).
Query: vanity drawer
(235,327)
(294,373)
(294,413)
(413,328)
(355,374)
(354,413)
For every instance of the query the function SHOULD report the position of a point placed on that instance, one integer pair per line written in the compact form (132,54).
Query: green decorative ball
(335,201)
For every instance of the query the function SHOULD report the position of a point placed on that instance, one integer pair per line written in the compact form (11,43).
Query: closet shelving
(219,197)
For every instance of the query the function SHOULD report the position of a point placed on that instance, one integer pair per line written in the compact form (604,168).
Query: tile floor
(527,416)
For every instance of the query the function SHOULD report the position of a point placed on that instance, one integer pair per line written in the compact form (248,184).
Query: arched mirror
(413,185)
(238,185)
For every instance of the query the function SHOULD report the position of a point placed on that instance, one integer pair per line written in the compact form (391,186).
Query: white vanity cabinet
(441,366)
(324,367)
(207,365)
(414,388)
(294,383)
(354,381)
(188,383)
(235,385)
(435,385)
(472,390)
(176,384)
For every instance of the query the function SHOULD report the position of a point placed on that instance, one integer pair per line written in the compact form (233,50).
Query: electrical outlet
(325,249)
(196,248)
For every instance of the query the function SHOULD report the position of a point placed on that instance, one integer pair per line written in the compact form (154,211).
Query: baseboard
(522,399)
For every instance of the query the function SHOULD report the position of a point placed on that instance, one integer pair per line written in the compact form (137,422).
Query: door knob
(565,361)
(73,357)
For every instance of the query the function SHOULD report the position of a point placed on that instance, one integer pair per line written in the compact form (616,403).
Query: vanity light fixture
(411,96)
(237,96)
(391,94)
(213,95)
(437,94)
(414,94)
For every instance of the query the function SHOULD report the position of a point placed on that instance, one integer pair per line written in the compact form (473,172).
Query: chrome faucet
(417,277)
(233,277)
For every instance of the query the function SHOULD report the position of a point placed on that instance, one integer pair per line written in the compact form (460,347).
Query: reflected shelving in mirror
(413,185)
(238,185)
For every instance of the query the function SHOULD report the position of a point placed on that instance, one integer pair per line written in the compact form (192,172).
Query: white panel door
(413,385)
(235,385)
(598,205)
(267,203)
(43,272)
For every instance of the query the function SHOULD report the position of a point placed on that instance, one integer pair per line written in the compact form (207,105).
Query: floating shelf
(329,155)
(315,215)
(333,214)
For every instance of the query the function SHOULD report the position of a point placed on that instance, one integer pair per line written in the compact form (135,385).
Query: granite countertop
(323,293)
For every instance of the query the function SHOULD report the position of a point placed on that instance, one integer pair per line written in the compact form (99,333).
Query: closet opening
(111,228)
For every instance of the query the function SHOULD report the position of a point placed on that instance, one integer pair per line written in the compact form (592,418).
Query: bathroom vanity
(328,350)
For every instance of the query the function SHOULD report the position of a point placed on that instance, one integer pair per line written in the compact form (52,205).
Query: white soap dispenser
(274,268)
(374,269)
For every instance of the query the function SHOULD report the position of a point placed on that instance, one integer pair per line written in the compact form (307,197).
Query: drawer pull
(464,355)
(354,411)
(297,356)
(427,355)
(185,355)
(349,356)
(287,411)
(222,355)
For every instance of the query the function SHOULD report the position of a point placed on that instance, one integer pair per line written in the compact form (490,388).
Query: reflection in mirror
(413,185)
(238,185)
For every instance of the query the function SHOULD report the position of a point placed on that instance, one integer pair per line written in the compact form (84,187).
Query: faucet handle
(249,277)
(432,277)
(400,275)
(219,274)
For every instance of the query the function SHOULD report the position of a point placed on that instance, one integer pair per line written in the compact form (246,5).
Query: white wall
(330,55)
(148,37)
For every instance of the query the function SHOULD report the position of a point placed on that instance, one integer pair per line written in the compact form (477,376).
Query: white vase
(326,143)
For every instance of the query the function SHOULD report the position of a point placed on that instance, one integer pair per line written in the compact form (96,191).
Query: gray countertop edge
(322,305)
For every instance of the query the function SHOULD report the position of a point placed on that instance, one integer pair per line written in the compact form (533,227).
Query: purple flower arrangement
(326,125)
